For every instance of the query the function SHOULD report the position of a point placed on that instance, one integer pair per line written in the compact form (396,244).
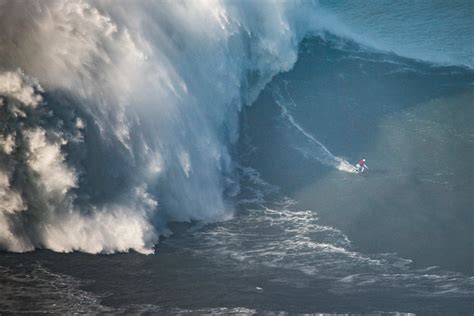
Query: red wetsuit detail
(361,163)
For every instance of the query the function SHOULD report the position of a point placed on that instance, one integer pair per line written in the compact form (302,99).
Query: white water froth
(46,187)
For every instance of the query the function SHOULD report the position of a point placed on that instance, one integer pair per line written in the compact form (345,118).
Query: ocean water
(196,157)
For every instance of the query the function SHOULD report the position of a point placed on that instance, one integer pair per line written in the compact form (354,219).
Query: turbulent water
(218,137)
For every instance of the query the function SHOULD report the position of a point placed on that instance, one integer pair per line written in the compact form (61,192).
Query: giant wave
(118,117)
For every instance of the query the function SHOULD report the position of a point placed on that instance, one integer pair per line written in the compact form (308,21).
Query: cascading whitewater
(117,117)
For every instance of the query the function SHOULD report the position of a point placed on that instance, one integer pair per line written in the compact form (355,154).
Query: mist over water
(218,138)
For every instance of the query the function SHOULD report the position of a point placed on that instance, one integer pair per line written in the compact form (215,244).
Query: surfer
(361,166)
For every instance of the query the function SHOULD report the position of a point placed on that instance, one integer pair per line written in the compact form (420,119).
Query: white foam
(17,85)
(7,143)
(48,163)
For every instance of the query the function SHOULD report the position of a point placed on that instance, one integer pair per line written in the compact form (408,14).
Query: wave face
(118,117)
(409,118)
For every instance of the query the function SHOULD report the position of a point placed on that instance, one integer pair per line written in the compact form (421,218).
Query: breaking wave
(118,117)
